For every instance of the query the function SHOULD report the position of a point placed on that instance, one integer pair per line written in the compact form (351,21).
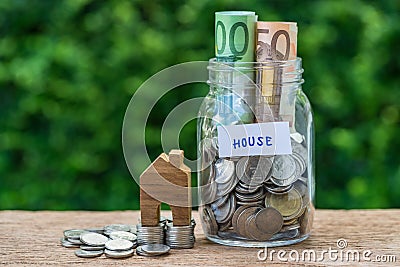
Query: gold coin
(288,204)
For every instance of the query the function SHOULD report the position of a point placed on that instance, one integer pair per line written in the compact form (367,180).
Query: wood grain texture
(32,238)
(167,179)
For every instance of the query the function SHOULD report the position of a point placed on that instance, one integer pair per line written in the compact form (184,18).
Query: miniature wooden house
(166,180)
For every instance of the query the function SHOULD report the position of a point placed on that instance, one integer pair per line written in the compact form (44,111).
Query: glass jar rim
(297,60)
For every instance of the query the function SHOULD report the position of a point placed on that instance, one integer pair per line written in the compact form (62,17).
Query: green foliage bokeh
(69,68)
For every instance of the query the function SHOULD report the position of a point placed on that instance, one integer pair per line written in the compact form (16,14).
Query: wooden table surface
(33,238)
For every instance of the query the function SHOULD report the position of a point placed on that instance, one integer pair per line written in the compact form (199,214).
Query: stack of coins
(71,238)
(150,234)
(119,248)
(180,236)
(260,198)
(93,245)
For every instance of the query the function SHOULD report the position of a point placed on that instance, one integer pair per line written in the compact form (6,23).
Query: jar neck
(264,89)
(242,76)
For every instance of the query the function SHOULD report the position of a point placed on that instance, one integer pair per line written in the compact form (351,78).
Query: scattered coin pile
(256,198)
(115,241)
(120,240)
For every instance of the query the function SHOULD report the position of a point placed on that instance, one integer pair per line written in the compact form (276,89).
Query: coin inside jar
(253,170)
(209,220)
(284,167)
(242,218)
(253,232)
(289,204)
(269,220)
(224,170)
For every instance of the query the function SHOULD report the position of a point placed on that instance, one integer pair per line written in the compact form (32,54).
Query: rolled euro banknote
(235,47)
(234,35)
(276,41)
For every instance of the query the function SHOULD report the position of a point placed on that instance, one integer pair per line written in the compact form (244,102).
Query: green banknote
(235,48)
(235,35)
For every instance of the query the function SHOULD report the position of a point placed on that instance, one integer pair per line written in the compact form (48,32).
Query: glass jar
(262,197)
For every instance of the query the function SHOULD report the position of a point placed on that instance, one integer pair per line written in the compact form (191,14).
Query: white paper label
(269,138)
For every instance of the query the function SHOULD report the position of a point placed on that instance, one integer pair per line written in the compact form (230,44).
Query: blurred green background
(69,68)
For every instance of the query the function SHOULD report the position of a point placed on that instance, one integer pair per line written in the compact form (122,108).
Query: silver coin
(118,244)
(123,235)
(251,203)
(231,211)
(94,239)
(251,197)
(274,189)
(284,182)
(222,212)
(133,229)
(171,226)
(246,189)
(209,220)
(96,230)
(74,233)
(117,227)
(253,170)
(224,170)
(230,234)
(301,162)
(290,227)
(219,202)
(300,149)
(91,248)
(208,150)
(209,191)
(119,254)
(67,244)
(284,167)
(301,188)
(75,241)
(156,249)
(224,189)
(88,254)
(224,226)
(141,252)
